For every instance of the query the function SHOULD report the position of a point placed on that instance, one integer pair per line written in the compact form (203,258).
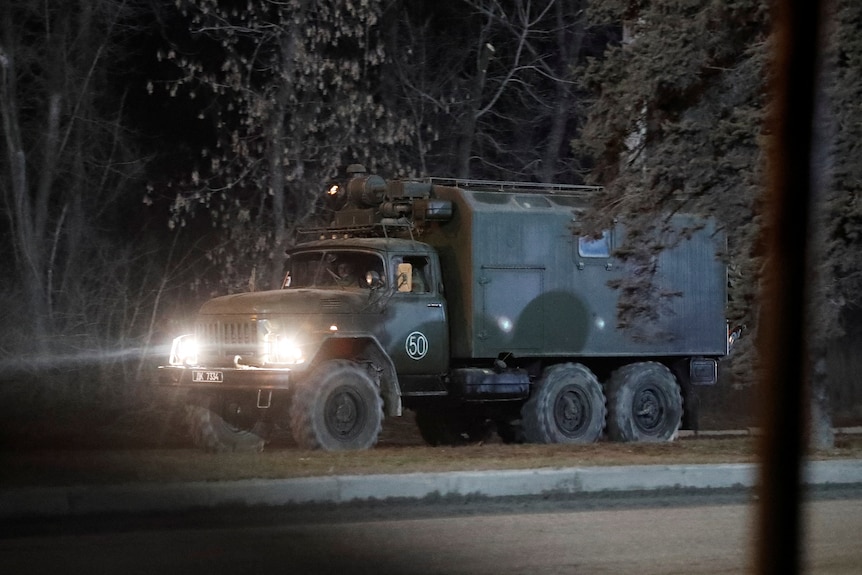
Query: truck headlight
(284,350)
(184,351)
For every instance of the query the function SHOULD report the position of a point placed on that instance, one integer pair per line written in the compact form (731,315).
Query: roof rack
(521,187)
(388,226)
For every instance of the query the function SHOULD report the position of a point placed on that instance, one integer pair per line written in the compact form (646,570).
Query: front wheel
(644,403)
(337,408)
(567,407)
(218,423)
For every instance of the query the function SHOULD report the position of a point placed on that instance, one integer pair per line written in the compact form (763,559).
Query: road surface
(643,535)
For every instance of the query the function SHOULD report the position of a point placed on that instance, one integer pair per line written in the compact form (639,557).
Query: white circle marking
(416,345)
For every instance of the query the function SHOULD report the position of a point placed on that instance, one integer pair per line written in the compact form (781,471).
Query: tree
(490,85)
(842,215)
(677,124)
(679,120)
(838,224)
(67,157)
(534,105)
(290,90)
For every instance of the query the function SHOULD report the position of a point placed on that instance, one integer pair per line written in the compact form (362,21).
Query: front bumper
(250,378)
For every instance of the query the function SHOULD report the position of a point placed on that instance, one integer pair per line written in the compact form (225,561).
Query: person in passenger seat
(419,285)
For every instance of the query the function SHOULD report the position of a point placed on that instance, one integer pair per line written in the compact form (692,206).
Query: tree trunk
(471,112)
(276,154)
(26,239)
(821,434)
(568,47)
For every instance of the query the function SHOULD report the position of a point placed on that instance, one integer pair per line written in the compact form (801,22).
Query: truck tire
(451,427)
(644,403)
(337,408)
(567,407)
(211,432)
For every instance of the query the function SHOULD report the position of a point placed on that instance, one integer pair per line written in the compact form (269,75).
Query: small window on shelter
(595,247)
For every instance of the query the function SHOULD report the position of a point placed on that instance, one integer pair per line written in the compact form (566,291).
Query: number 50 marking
(416,345)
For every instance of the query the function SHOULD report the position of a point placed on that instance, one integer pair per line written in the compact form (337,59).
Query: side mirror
(404,278)
(373,279)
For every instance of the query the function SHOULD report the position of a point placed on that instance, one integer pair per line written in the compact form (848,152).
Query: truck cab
(392,293)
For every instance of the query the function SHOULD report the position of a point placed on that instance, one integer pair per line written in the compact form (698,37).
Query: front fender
(365,349)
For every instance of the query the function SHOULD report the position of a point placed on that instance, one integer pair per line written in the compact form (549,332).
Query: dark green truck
(472,303)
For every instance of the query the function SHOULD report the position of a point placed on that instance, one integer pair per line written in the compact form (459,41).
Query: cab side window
(412,274)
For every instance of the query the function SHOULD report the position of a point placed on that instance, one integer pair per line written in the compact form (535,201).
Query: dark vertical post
(782,327)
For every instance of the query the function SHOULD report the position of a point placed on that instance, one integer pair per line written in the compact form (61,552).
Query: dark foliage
(677,125)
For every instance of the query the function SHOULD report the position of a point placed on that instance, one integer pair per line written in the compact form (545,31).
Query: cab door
(417,318)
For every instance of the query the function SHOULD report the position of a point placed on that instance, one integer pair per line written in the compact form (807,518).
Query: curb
(756,431)
(175,497)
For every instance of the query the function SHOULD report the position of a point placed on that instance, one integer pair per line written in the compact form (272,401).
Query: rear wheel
(567,407)
(644,403)
(218,423)
(337,408)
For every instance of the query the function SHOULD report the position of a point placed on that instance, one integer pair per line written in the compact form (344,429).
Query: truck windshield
(332,269)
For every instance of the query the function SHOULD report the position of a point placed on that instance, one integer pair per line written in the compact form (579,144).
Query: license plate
(200,376)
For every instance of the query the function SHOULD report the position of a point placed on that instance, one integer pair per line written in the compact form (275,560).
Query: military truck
(475,304)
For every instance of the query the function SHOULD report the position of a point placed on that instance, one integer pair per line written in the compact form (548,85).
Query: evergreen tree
(842,193)
(837,226)
(677,124)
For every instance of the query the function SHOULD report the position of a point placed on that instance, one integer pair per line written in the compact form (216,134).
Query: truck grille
(331,304)
(224,340)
